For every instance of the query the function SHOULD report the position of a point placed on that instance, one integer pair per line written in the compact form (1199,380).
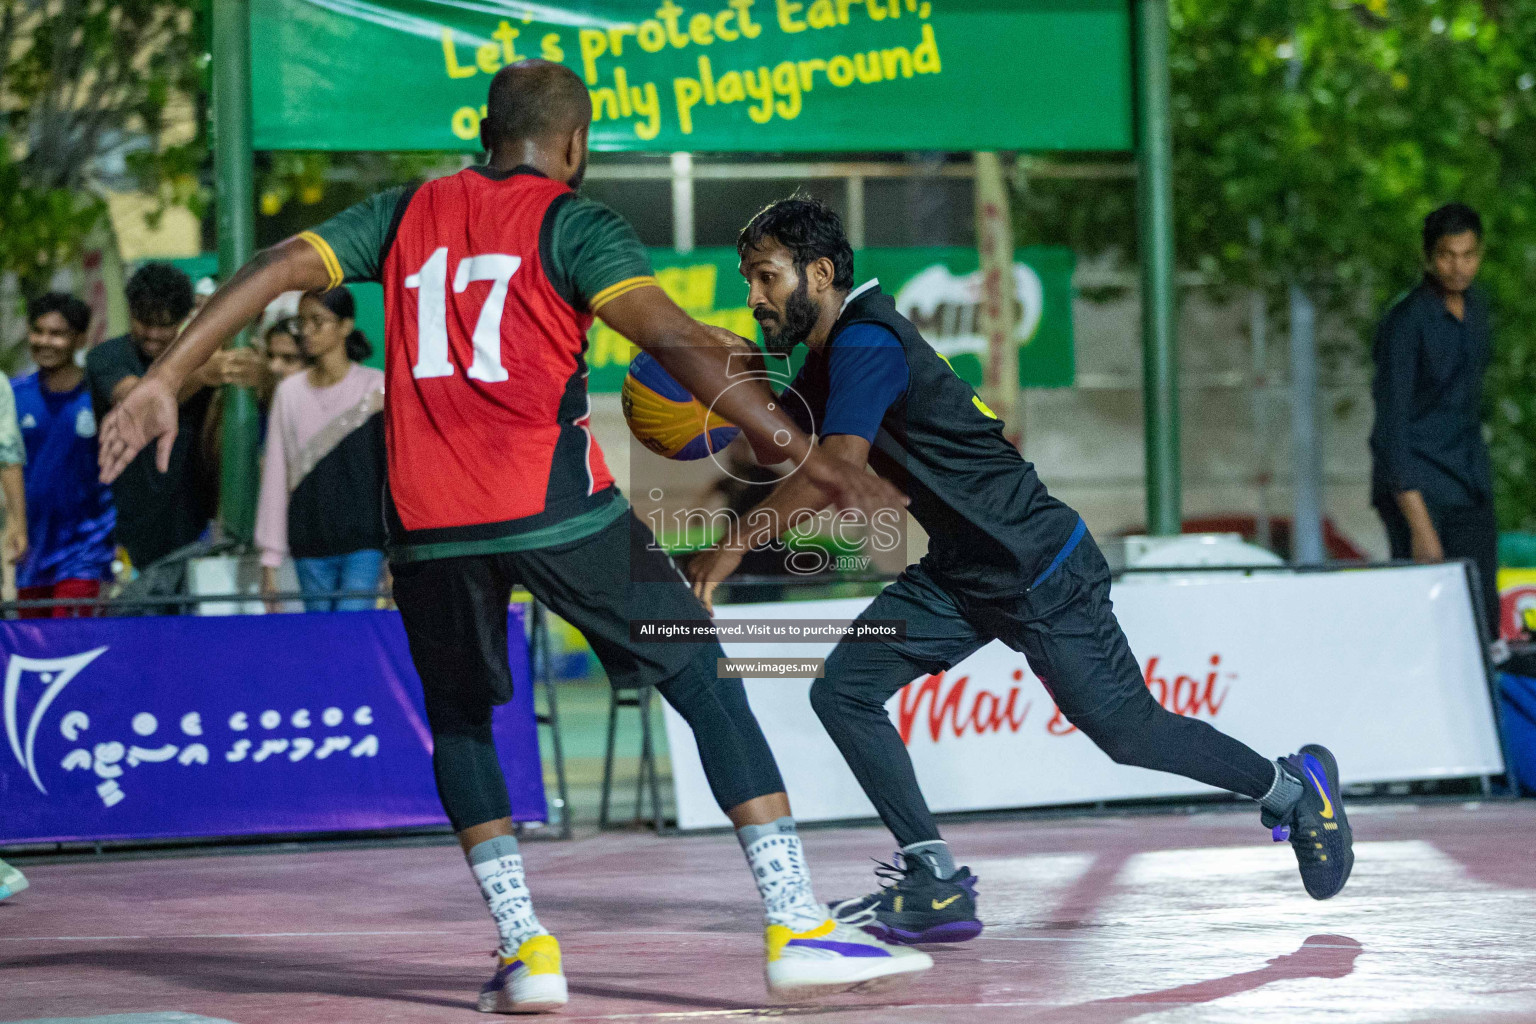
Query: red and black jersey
(488,293)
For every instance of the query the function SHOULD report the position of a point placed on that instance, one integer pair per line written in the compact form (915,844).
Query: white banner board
(1382,666)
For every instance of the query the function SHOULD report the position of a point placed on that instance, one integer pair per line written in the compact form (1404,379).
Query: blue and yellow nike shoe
(1316,825)
(914,905)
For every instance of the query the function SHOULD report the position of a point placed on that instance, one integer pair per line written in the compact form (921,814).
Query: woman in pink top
(322,485)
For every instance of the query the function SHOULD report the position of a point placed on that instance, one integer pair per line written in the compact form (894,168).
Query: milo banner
(711,75)
(140,728)
(938,289)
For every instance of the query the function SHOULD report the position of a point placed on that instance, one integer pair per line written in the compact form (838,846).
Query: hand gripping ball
(665,418)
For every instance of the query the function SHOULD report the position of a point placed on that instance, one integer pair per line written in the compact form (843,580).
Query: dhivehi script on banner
(1383,666)
(165,726)
(703,75)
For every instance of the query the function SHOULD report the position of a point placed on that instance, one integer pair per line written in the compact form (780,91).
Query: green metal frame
(1154,224)
(1154,201)
(236,209)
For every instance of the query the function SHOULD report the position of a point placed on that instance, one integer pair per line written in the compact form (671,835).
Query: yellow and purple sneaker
(1316,826)
(834,957)
(530,982)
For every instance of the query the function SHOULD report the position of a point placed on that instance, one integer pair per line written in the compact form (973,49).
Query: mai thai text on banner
(140,728)
(705,75)
(1383,666)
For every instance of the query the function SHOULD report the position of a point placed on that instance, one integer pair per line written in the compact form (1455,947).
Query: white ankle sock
(783,880)
(498,867)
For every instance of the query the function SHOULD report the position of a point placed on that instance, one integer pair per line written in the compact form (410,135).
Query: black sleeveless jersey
(992,527)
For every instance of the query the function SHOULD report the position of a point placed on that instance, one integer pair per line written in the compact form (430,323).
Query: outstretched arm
(792,502)
(148,412)
(698,357)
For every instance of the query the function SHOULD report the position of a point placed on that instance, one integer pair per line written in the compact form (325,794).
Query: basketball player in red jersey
(492,277)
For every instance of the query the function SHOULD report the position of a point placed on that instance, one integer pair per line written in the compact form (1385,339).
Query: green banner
(706,75)
(938,289)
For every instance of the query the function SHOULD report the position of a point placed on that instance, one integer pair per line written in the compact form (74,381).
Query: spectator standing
(69,512)
(13,455)
(1431,477)
(322,484)
(160,512)
(284,355)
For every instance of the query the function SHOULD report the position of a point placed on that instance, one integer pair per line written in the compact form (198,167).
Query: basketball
(665,418)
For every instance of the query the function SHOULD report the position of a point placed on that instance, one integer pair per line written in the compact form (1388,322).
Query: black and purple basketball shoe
(1315,824)
(914,905)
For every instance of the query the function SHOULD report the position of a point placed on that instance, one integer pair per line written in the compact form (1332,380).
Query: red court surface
(1149,918)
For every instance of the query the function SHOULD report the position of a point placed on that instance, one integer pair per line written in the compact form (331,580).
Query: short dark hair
(1451,219)
(287,325)
(75,313)
(339,300)
(532,98)
(159,294)
(809,229)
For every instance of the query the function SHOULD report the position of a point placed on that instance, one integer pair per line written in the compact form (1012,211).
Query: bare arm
(147,412)
(1421,529)
(13,484)
(120,390)
(204,377)
(792,502)
(697,356)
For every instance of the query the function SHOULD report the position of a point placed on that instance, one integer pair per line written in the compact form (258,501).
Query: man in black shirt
(160,512)
(1431,478)
(1005,561)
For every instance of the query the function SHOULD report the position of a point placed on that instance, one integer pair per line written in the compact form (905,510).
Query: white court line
(780,1010)
(314,935)
(999,938)
(569,936)
(228,935)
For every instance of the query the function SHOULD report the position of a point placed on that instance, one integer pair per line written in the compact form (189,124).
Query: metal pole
(1306,457)
(1258,333)
(682,202)
(1154,223)
(1306,454)
(235,205)
(996,313)
(1258,336)
(856,211)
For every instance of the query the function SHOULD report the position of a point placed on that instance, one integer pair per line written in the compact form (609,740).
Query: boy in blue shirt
(70,513)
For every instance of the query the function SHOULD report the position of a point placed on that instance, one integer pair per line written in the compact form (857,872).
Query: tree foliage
(85,94)
(296,190)
(1310,139)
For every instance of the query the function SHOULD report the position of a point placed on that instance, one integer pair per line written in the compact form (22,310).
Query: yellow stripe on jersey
(613,291)
(327,254)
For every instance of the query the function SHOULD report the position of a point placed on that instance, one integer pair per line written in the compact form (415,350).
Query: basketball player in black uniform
(1006,561)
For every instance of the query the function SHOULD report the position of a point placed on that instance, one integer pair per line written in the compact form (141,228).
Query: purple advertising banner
(138,728)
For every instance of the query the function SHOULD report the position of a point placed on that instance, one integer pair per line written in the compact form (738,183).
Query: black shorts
(455,609)
(1064,625)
